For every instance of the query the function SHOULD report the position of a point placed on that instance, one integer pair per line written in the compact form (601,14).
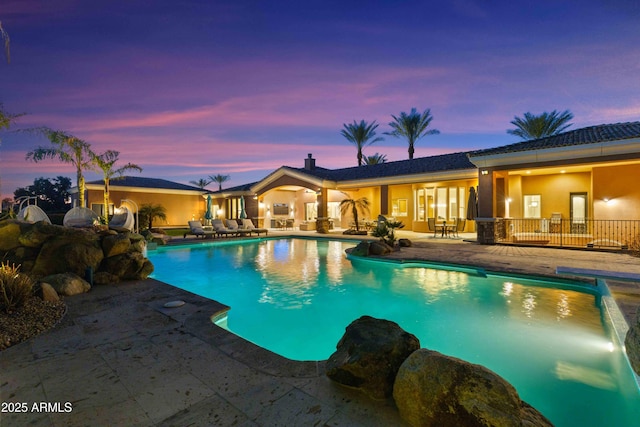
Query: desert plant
(385,230)
(15,287)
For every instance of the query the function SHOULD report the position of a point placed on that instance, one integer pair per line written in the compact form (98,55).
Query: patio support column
(384,200)
(486,222)
(322,223)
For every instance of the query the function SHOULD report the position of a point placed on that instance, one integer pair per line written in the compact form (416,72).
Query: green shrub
(15,287)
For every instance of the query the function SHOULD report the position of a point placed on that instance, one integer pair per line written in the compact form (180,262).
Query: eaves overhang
(627,147)
(144,190)
(449,175)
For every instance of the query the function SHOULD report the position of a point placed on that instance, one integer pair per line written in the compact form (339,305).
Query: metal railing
(561,232)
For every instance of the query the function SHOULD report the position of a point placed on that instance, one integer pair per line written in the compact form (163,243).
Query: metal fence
(586,233)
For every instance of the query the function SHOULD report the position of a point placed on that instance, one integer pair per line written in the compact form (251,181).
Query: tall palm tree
(105,162)
(149,212)
(412,126)
(219,179)
(5,37)
(6,120)
(375,159)
(543,125)
(201,183)
(360,134)
(68,149)
(354,205)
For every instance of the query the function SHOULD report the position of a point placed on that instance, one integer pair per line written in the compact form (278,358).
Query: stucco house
(578,188)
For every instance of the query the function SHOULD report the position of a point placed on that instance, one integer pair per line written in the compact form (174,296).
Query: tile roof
(439,163)
(138,181)
(584,136)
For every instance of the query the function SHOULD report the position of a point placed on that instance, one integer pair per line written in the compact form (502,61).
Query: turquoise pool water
(296,296)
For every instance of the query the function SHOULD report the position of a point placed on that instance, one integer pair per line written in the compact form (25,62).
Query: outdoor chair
(289,224)
(460,225)
(247,224)
(196,229)
(431,222)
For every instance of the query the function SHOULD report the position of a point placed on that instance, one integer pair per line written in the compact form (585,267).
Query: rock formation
(369,355)
(433,389)
(44,250)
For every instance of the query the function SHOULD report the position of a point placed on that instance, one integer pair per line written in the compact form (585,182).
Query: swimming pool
(296,296)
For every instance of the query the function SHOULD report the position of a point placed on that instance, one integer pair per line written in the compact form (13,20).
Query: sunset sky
(187,89)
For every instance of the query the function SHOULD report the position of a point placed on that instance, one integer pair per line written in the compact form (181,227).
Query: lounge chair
(196,229)
(123,220)
(32,213)
(222,230)
(232,225)
(80,217)
(247,224)
(431,222)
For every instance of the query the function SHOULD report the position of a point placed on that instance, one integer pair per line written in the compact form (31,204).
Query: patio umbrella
(208,215)
(472,204)
(243,214)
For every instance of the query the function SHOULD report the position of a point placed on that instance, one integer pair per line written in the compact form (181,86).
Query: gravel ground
(33,318)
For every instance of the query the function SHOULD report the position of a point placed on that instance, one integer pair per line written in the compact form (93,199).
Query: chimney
(309,163)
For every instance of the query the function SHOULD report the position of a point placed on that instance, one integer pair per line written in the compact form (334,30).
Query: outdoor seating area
(443,229)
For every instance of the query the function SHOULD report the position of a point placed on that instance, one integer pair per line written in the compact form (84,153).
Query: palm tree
(68,149)
(360,134)
(5,37)
(149,212)
(201,183)
(543,125)
(6,120)
(219,179)
(354,205)
(105,162)
(412,126)
(375,159)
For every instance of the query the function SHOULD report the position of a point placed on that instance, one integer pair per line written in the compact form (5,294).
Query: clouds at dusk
(195,88)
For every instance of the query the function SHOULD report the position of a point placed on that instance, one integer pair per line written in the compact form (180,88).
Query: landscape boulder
(128,266)
(105,278)
(9,235)
(68,253)
(432,389)
(46,292)
(361,249)
(632,344)
(379,248)
(404,243)
(369,355)
(116,244)
(67,284)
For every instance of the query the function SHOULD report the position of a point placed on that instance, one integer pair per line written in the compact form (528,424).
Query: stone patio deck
(121,358)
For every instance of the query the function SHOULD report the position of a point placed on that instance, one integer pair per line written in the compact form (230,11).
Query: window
(463,203)
(453,202)
(399,207)
(310,211)
(532,206)
(441,203)
(420,205)
(98,208)
(333,210)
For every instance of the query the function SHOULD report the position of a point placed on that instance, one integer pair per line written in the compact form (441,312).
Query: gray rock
(362,249)
(432,389)
(369,355)
(632,344)
(379,248)
(9,235)
(67,284)
(128,266)
(405,243)
(47,293)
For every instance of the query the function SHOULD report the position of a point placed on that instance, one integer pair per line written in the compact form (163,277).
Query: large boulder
(67,284)
(68,253)
(362,249)
(369,355)
(128,266)
(632,344)
(9,235)
(432,389)
(116,244)
(379,248)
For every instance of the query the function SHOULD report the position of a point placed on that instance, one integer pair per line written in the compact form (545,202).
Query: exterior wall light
(484,172)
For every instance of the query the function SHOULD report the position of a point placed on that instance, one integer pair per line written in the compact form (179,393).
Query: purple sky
(243,87)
